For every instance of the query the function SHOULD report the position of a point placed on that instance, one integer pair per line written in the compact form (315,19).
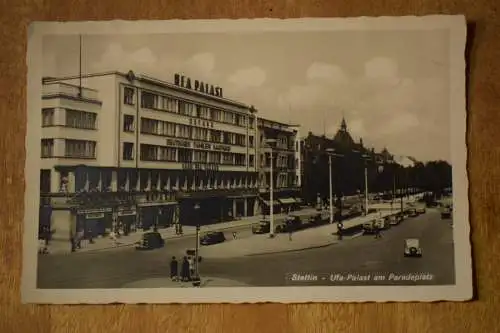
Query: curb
(110,248)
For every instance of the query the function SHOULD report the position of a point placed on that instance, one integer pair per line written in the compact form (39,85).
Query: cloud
(200,65)
(323,71)
(381,68)
(251,77)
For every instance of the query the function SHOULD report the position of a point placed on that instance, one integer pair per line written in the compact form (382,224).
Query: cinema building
(139,152)
(281,140)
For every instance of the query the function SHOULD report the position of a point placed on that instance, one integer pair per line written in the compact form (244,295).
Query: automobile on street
(412,248)
(212,237)
(150,241)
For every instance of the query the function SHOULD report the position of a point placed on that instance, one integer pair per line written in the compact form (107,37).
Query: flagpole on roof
(80,67)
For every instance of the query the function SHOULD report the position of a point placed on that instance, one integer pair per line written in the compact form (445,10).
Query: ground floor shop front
(93,222)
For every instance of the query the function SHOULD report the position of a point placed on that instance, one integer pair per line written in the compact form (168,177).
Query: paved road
(359,256)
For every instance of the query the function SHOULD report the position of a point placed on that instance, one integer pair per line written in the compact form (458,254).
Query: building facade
(281,141)
(141,152)
(348,164)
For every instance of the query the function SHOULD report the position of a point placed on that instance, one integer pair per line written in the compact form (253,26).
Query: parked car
(446,212)
(263,227)
(212,237)
(412,212)
(421,209)
(291,223)
(412,248)
(150,241)
(394,219)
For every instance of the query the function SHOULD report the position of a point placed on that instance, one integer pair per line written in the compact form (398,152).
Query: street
(358,256)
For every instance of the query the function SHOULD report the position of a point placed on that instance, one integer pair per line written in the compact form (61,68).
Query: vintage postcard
(244,161)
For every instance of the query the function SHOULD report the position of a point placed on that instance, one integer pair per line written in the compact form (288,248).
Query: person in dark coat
(185,269)
(174,274)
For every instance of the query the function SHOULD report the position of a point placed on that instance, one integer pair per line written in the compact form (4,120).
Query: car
(291,223)
(394,219)
(212,237)
(150,241)
(263,227)
(412,248)
(412,212)
(446,212)
(421,209)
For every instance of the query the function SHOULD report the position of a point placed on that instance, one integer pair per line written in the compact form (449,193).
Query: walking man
(174,266)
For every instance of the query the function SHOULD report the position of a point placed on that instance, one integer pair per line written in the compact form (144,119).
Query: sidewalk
(105,243)
(166,282)
(311,238)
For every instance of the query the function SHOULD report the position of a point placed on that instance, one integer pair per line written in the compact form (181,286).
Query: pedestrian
(174,266)
(185,269)
(191,266)
(235,235)
(290,232)
(377,232)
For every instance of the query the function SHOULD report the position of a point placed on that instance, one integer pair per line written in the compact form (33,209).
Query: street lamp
(331,152)
(270,143)
(196,278)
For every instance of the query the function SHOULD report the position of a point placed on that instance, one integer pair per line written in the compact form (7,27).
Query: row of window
(165,128)
(150,100)
(280,161)
(182,155)
(73,118)
(72,148)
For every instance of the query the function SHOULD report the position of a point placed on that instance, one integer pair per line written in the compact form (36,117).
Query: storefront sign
(201,166)
(222,148)
(94,216)
(205,88)
(94,211)
(197,145)
(126,213)
(179,143)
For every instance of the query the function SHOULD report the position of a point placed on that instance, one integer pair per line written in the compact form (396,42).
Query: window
(149,126)
(167,129)
(215,136)
(251,160)
(251,141)
(169,104)
(148,100)
(128,95)
(214,157)
(240,140)
(167,154)
(200,133)
(47,148)
(227,158)
(128,151)
(184,131)
(186,108)
(185,155)
(239,159)
(48,117)
(81,119)
(148,152)
(128,123)
(79,149)
(201,156)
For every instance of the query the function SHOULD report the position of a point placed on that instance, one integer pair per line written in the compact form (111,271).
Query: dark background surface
(484,174)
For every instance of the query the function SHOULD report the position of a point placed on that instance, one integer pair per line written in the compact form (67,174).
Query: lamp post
(196,278)
(331,153)
(270,143)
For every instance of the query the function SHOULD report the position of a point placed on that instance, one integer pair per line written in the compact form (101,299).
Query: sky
(392,87)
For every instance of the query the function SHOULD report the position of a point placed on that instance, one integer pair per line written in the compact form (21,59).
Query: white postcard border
(461,291)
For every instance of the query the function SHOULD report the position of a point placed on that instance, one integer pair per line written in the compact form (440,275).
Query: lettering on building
(222,148)
(202,87)
(179,143)
(200,166)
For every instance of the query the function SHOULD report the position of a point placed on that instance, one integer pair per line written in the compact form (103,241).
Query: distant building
(144,152)
(348,165)
(283,140)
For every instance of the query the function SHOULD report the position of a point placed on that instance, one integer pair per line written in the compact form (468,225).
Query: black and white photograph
(244,161)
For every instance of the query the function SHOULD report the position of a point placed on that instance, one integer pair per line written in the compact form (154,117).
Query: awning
(268,203)
(287,201)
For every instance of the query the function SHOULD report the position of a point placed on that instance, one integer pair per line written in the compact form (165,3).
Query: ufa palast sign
(186,82)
